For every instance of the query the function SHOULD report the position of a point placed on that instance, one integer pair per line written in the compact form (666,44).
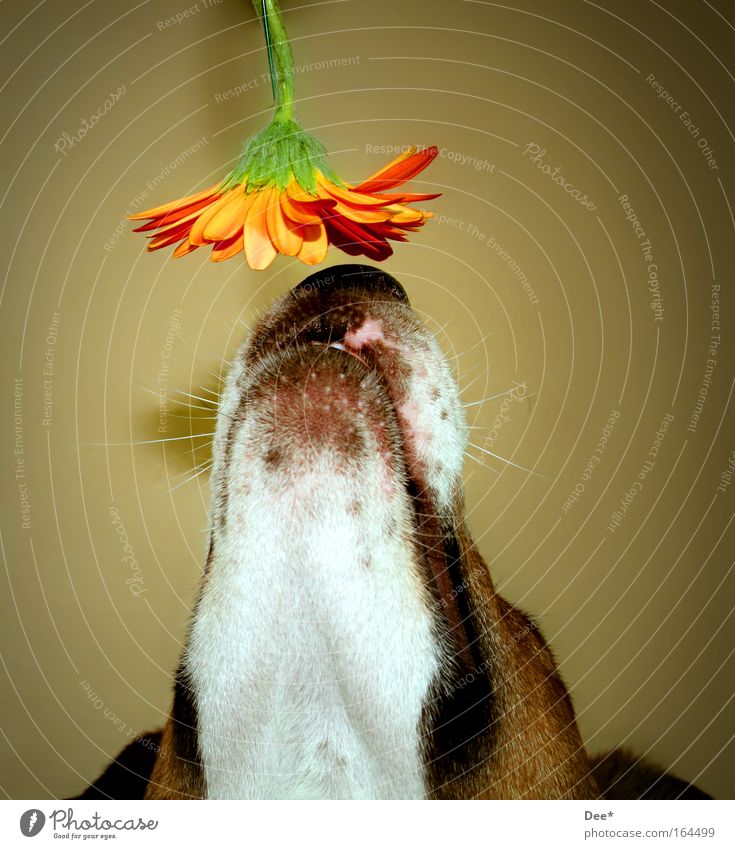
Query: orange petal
(196,236)
(407,216)
(227,221)
(402,157)
(408,197)
(162,229)
(300,206)
(226,249)
(259,249)
(400,170)
(286,240)
(315,244)
(361,214)
(295,192)
(348,196)
(302,214)
(184,248)
(166,208)
(163,240)
(176,216)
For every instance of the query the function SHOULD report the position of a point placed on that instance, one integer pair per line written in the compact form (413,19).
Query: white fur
(311,667)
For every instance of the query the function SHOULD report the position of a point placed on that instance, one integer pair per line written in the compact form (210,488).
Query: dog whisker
(471,348)
(480,463)
(509,462)
(211,391)
(191,417)
(497,395)
(200,470)
(151,441)
(196,397)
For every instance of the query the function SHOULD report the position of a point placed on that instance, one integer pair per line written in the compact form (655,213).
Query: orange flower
(267,220)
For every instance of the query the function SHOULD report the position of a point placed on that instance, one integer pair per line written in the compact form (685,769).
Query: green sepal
(281,152)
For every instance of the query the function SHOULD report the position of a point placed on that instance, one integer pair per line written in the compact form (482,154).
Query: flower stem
(280,58)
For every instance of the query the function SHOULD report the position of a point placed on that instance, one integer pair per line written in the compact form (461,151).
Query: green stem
(280,58)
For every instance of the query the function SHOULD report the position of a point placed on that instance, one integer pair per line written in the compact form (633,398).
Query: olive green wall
(585,221)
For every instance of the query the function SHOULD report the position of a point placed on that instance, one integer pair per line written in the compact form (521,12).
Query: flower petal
(173,218)
(406,215)
(315,244)
(184,248)
(163,240)
(400,170)
(227,222)
(166,208)
(286,239)
(348,196)
(355,239)
(196,236)
(405,197)
(259,249)
(228,248)
(302,207)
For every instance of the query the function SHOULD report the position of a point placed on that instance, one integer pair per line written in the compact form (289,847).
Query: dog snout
(340,281)
(327,307)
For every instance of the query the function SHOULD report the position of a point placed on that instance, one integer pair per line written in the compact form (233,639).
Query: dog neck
(312,652)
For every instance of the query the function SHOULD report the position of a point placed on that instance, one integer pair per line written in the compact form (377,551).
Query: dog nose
(372,282)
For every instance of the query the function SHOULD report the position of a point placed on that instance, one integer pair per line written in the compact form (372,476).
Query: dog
(347,640)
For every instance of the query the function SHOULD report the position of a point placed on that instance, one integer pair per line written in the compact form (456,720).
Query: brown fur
(531,747)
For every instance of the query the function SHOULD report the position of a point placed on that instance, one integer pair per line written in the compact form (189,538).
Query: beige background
(640,617)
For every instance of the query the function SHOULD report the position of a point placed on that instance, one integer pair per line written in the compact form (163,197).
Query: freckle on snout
(272,457)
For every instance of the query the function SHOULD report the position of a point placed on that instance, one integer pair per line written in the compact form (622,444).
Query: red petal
(399,171)
(355,239)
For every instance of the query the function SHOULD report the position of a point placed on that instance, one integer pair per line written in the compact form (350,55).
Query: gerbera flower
(291,220)
(284,198)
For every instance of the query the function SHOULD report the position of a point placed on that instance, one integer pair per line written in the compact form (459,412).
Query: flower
(263,221)
(283,197)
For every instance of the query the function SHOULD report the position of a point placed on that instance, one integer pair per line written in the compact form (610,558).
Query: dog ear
(622,775)
(178,772)
(128,775)
(500,724)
